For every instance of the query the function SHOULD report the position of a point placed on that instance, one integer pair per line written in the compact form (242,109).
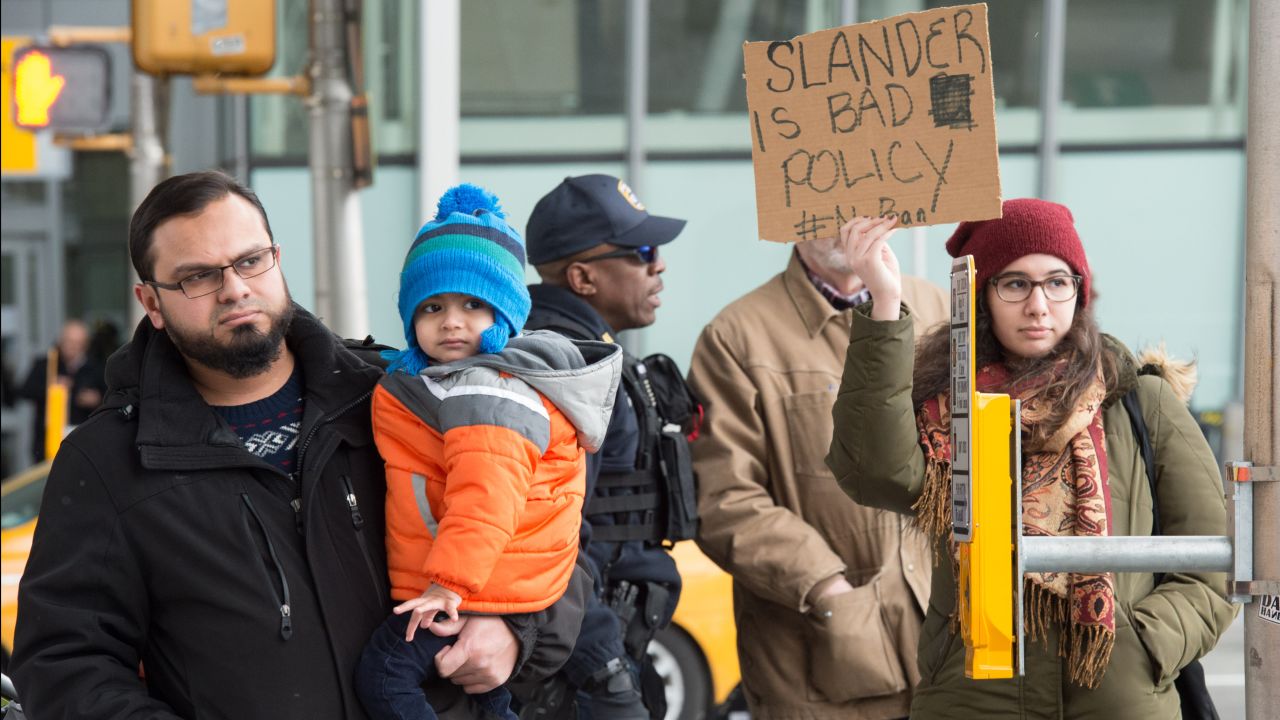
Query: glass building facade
(1151,128)
(1151,131)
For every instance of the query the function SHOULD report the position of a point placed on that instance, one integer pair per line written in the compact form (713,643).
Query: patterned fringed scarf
(1064,492)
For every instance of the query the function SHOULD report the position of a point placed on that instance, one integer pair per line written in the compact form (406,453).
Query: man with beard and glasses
(211,540)
(841,587)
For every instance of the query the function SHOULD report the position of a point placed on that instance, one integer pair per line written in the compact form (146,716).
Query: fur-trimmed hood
(1180,374)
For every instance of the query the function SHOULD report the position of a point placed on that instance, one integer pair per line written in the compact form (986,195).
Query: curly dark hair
(1082,346)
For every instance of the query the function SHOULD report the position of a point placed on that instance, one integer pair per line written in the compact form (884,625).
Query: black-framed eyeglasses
(207,282)
(1016,287)
(647,254)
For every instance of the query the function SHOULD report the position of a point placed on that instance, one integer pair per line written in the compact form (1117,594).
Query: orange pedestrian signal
(36,88)
(61,88)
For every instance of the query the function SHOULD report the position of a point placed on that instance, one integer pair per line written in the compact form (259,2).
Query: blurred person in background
(8,389)
(842,588)
(9,462)
(78,371)
(104,342)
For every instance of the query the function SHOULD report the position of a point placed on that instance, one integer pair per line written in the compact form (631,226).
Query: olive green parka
(877,460)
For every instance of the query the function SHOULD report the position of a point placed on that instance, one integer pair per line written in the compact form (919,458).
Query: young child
(484,433)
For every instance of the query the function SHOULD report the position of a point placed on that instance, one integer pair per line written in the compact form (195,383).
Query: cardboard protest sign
(893,116)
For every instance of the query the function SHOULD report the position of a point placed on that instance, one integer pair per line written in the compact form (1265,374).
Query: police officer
(597,251)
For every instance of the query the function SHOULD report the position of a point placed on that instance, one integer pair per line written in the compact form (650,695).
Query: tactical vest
(663,503)
(659,503)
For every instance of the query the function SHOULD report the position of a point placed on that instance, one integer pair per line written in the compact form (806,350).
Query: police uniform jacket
(557,309)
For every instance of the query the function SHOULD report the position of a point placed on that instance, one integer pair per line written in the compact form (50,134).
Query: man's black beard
(249,353)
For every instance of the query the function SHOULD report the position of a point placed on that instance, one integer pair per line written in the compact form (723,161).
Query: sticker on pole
(1269,608)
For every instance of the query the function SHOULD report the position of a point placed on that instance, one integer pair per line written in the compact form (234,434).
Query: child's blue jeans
(391,673)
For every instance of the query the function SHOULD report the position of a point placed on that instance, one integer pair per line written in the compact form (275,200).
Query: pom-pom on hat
(468,248)
(1028,226)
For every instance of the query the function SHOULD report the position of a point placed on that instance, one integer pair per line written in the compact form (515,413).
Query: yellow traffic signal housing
(197,37)
(988,591)
(986,514)
(61,88)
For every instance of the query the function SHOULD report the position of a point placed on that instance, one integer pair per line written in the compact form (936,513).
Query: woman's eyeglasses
(647,254)
(1016,287)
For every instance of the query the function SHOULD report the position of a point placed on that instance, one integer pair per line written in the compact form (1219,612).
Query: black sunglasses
(647,254)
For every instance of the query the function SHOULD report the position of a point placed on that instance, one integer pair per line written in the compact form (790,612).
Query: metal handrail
(1149,553)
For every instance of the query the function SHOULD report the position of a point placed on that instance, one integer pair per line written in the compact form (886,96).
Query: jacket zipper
(286,613)
(296,476)
(357,522)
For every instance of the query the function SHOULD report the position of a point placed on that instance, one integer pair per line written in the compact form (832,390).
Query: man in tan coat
(829,596)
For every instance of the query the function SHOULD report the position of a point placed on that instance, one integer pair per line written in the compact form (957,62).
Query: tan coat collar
(814,309)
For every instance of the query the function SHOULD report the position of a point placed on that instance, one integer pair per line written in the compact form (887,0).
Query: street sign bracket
(1240,478)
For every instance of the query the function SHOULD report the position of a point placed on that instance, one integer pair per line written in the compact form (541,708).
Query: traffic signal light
(199,37)
(61,88)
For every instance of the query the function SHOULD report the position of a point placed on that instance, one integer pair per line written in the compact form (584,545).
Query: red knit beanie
(1028,226)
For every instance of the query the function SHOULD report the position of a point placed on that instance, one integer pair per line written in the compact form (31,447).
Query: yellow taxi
(696,656)
(19,504)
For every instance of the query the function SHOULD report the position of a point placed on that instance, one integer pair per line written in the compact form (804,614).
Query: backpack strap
(1134,408)
(1139,424)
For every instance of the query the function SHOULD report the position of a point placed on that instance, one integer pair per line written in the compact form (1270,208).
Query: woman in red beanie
(1100,645)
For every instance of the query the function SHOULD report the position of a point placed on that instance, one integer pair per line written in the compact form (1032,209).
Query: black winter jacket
(162,540)
(555,308)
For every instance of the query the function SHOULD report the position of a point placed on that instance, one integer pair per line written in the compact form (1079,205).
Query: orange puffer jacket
(486,470)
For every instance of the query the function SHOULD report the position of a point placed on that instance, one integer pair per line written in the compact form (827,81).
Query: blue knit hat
(468,248)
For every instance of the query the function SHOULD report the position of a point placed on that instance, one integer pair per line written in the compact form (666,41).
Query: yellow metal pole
(55,410)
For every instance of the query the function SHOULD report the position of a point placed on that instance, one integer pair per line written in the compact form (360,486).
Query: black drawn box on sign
(949,100)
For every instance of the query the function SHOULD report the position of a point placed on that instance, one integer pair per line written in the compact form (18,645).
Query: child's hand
(424,607)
